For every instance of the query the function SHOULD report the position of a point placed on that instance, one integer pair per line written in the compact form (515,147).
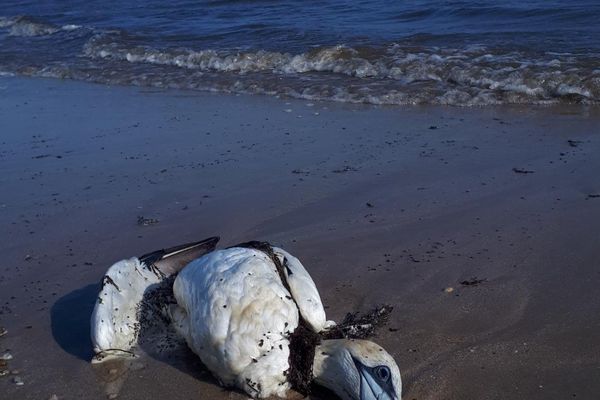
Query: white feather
(236,315)
(114,322)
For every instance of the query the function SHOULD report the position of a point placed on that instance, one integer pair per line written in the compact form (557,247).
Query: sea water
(380,52)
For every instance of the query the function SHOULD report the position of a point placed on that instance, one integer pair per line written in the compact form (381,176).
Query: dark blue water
(384,52)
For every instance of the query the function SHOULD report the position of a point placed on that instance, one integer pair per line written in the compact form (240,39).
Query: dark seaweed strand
(356,326)
(303,341)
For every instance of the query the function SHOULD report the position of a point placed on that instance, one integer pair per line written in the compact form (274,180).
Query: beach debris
(473,281)
(589,196)
(301,172)
(574,143)
(413,259)
(432,127)
(28,257)
(6,356)
(143,221)
(449,289)
(3,331)
(3,368)
(18,381)
(345,168)
(356,326)
(44,156)
(370,205)
(522,171)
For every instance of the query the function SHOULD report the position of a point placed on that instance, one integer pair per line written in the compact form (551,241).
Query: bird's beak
(370,389)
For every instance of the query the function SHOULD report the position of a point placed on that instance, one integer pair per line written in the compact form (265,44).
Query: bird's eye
(383,373)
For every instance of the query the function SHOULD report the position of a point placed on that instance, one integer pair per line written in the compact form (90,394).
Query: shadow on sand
(70,320)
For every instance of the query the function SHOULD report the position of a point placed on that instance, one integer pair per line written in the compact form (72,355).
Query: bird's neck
(319,362)
(329,365)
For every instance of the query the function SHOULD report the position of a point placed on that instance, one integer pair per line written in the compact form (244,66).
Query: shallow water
(442,52)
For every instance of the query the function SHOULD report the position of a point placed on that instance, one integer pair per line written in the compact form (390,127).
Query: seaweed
(303,342)
(357,326)
(473,281)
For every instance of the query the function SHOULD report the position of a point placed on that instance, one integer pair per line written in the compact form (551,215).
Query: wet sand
(479,225)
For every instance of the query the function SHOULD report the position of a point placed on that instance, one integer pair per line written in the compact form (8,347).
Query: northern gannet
(253,315)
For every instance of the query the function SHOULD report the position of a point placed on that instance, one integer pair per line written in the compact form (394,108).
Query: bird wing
(115,321)
(172,260)
(304,291)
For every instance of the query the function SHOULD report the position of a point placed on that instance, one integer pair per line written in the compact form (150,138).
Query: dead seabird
(253,315)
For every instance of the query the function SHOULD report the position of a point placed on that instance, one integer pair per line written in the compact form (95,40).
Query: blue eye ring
(383,373)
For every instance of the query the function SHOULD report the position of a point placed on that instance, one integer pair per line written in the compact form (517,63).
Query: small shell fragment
(6,356)
(18,381)
(449,289)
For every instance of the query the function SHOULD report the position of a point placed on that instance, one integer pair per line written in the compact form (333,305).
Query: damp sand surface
(478,225)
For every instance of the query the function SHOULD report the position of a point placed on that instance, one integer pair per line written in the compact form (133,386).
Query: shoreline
(381,204)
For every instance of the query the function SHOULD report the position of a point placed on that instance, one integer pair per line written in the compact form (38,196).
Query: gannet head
(357,370)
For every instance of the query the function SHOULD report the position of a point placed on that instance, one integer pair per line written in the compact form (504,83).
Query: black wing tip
(156,255)
(254,244)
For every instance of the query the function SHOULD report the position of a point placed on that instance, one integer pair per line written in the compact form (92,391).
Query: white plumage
(115,322)
(236,315)
(236,311)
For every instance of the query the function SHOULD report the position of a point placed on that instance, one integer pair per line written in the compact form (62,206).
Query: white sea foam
(390,74)
(395,75)
(337,59)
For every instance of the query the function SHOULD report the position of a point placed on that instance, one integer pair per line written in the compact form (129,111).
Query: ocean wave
(382,93)
(25,26)
(387,74)
(337,59)
(392,74)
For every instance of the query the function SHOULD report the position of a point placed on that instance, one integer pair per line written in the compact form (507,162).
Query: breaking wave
(398,73)
(27,27)
(394,74)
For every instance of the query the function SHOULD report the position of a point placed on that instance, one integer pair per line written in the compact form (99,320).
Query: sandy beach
(478,225)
